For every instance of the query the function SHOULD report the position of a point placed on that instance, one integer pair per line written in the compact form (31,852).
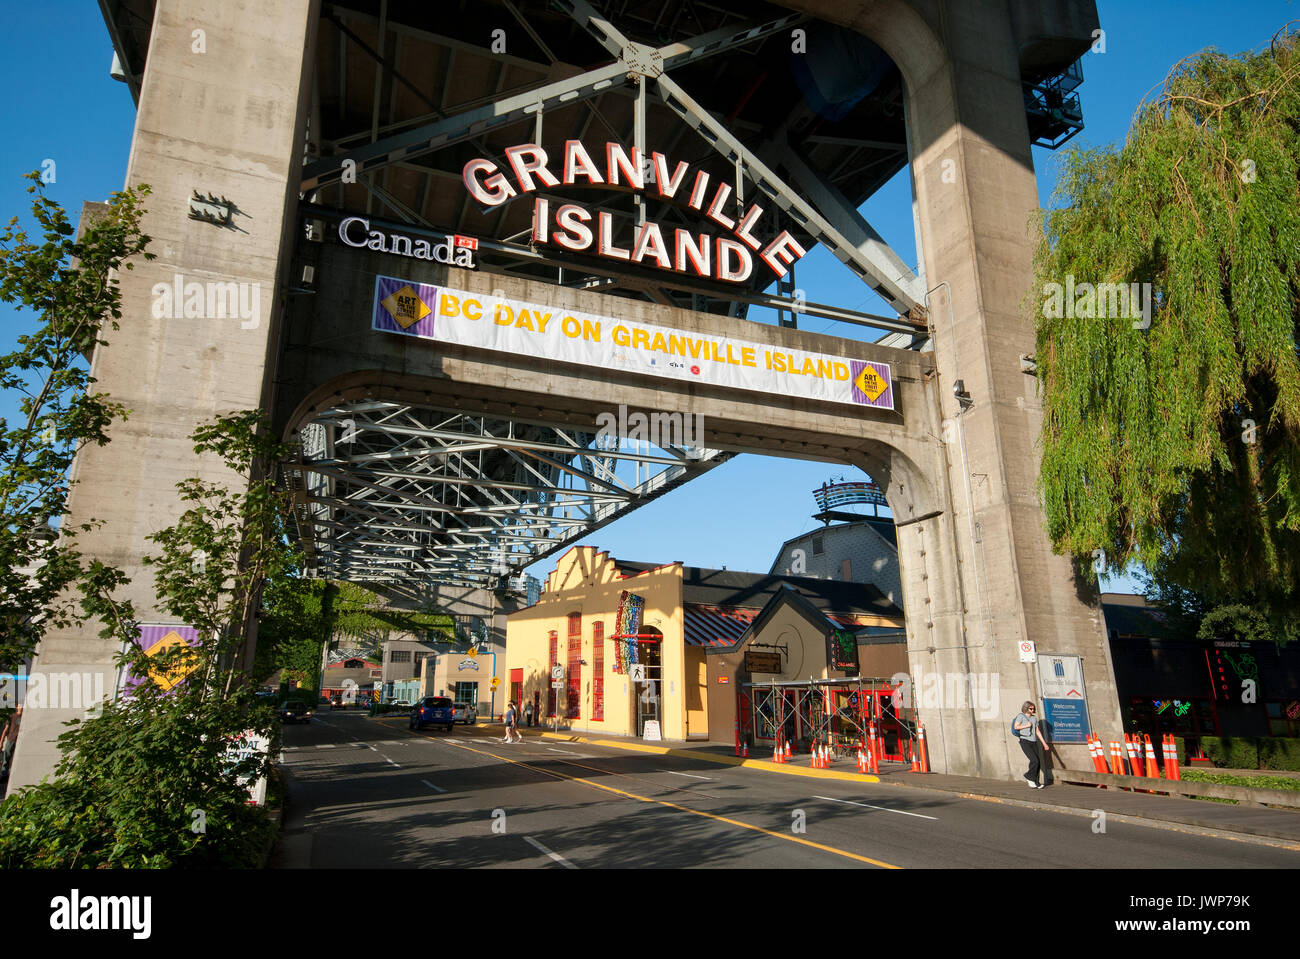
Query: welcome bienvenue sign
(510,325)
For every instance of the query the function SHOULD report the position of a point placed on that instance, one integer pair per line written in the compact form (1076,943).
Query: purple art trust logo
(404,307)
(168,666)
(871,383)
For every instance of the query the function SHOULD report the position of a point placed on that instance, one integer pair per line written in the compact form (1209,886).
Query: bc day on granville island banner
(509,325)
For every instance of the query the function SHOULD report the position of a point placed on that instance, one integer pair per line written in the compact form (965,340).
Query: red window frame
(554,659)
(573,668)
(598,671)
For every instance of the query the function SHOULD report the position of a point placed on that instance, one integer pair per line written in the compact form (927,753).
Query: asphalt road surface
(371,793)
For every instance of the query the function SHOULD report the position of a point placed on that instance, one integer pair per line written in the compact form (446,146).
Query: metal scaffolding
(835,713)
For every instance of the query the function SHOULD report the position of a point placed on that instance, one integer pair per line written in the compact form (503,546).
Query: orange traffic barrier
(1171,758)
(921,748)
(1152,769)
(1098,753)
(1134,750)
(1116,759)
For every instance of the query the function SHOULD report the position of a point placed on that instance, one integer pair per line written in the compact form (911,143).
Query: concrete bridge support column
(221,112)
(978,572)
(976,190)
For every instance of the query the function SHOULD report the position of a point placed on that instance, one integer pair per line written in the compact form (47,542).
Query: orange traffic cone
(1171,762)
(1098,754)
(921,748)
(1134,754)
(1116,762)
(744,750)
(1153,770)
(787,749)
(912,752)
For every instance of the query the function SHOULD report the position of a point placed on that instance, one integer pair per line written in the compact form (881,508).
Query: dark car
(436,710)
(295,711)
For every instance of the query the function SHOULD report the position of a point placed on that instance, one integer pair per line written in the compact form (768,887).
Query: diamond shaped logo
(870,383)
(405,307)
(167,678)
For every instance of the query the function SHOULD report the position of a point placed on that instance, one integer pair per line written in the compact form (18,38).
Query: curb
(788,769)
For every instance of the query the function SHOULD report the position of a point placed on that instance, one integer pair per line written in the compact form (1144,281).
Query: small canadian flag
(468,242)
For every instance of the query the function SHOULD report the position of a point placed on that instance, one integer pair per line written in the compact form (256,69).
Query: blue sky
(71,112)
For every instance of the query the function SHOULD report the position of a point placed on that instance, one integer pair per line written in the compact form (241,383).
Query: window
(399,656)
(573,674)
(819,546)
(846,570)
(467,693)
(552,660)
(1283,718)
(598,671)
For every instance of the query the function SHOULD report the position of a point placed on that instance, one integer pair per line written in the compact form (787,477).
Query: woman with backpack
(1025,728)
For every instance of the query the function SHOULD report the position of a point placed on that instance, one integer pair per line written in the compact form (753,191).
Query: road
(371,793)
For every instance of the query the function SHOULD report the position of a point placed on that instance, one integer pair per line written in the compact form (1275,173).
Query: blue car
(438,710)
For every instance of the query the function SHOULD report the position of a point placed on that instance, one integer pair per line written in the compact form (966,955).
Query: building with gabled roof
(659,650)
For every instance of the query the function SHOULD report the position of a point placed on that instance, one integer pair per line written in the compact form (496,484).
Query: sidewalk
(1274,827)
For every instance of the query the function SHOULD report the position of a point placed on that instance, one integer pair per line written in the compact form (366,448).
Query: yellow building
(644,650)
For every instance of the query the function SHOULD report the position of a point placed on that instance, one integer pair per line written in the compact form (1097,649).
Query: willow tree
(1173,438)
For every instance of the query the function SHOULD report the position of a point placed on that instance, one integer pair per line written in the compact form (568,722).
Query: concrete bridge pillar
(981,577)
(221,112)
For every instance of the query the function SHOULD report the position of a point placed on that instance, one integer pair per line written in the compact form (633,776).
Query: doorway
(647,702)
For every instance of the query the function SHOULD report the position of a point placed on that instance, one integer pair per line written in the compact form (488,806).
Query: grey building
(855,552)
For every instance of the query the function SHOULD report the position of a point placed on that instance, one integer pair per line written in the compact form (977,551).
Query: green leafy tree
(70,285)
(154,780)
(1178,444)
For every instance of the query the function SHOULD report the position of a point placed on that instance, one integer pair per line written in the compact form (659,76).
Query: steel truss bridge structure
(405,93)
(389,491)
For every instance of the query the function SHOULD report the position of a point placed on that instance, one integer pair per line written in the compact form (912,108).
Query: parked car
(466,713)
(435,710)
(295,711)
(401,703)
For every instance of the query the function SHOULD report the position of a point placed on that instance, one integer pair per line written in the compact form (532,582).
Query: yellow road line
(788,768)
(696,812)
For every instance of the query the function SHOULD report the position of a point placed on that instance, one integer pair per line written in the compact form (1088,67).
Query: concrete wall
(979,576)
(227,121)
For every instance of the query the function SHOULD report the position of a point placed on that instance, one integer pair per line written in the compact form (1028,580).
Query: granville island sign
(570,225)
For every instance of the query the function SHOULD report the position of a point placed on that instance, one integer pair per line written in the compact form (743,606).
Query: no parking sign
(1027,654)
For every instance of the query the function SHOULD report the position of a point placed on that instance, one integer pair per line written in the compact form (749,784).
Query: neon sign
(569,226)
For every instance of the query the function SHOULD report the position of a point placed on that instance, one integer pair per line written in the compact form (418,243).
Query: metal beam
(900,291)
(463,126)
